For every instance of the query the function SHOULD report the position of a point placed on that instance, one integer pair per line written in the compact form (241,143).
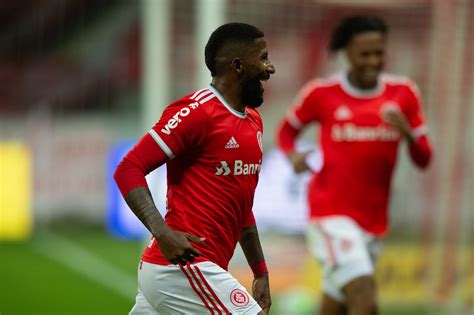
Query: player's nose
(270,68)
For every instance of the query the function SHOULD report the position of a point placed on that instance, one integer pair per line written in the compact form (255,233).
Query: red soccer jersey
(359,148)
(213,156)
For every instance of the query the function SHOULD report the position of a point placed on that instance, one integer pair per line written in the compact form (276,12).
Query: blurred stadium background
(82,79)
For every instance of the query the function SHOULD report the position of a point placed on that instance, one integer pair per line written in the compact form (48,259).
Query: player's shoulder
(318,88)
(193,102)
(400,82)
(199,97)
(188,110)
(323,83)
(253,114)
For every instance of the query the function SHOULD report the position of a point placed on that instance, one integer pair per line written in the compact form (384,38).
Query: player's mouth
(370,73)
(263,82)
(369,76)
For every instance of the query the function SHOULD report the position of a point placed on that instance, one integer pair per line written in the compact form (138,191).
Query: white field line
(86,263)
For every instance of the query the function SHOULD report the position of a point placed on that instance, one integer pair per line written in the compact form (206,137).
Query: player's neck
(353,81)
(230,93)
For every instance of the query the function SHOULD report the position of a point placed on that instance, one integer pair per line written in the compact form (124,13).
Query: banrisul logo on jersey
(353,133)
(239,168)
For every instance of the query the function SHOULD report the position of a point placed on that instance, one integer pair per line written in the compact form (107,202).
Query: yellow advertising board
(15,191)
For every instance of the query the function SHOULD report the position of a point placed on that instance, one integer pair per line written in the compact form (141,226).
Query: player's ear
(237,65)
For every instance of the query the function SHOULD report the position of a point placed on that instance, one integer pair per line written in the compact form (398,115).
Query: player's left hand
(397,120)
(261,292)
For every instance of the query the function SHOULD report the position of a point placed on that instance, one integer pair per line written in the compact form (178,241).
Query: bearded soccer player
(211,143)
(363,114)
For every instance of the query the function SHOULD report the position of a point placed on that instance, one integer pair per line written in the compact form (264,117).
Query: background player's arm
(250,243)
(411,126)
(397,120)
(300,115)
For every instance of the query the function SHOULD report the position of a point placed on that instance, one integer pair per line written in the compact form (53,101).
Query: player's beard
(252,93)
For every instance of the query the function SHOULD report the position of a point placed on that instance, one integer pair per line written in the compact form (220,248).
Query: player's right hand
(298,160)
(177,248)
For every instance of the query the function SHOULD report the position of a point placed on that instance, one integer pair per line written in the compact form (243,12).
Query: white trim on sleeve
(294,121)
(161,143)
(420,131)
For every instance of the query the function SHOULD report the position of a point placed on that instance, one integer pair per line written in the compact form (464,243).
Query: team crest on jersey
(260,139)
(343,113)
(239,297)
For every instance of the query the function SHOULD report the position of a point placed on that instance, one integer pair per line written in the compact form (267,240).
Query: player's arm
(250,243)
(302,113)
(176,246)
(411,126)
(420,151)
(149,153)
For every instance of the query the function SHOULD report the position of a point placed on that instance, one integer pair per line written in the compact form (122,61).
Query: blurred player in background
(363,114)
(211,142)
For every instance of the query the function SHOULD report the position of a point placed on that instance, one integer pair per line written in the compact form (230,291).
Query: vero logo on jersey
(240,168)
(176,119)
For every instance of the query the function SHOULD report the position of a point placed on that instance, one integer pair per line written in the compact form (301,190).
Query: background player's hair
(228,33)
(353,25)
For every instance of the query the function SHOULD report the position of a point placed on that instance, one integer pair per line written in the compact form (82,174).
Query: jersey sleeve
(250,220)
(143,158)
(413,110)
(180,128)
(305,110)
(420,150)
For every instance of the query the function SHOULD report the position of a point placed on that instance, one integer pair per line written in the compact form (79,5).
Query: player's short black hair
(353,25)
(228,33)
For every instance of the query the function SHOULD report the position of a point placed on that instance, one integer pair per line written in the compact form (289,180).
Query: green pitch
(76,271)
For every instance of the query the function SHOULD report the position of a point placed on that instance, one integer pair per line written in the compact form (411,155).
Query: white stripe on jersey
(389,78)
(161,144)
(420,131)
(195,94)
(294,121)
(207,99)
(201,95)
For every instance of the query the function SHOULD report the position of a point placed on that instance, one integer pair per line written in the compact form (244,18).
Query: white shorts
(344,250)
(201,288)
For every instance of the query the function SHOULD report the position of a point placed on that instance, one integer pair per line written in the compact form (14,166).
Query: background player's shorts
(201,288)
(344,250)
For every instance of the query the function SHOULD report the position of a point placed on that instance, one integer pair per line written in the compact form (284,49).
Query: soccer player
(211,143)
(363,115)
